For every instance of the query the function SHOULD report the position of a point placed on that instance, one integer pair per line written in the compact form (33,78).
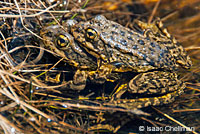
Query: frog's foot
(55,79)
(157,82)
(101,74)
(78,82)
(155,29)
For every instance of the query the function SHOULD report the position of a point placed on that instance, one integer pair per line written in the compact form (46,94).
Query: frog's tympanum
(151,57)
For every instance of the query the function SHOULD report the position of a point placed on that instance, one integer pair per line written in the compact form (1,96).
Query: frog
(151,54)
(57,39)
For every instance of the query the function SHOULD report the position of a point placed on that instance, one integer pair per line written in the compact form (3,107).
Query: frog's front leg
(158,87)
(101,74)
(79,81)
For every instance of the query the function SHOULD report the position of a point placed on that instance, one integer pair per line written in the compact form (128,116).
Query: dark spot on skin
(109,42)
(111,37)
(130,32)
(144,85)
(118,54)
(84,42)
(138,36)
(158,47)
(151,62)
(117,45)
(129,38)
(118,64)
(106,27)
(113,32)
(79,29)
(170,63)
(159,59)
(169,42)
(167,55)
(162,54)
(139,53)
(123,42)
(154,38)
(151,49)
(172,47)
(147,38)
(104,33)
(135,47)
(166,51)
(82,32)
(159,42)
(76,30)
(78,37)
(163,42)
(141,42)
(157,35)
(122,33)
(115,26)
(144,56)
(152,44)
(130,63)
(166,60)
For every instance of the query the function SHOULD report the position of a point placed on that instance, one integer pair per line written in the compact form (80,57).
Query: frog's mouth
(91,50)
(84,44)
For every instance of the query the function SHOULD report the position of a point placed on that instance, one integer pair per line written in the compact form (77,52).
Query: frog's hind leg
(156,82)
(145,102)
(153,88)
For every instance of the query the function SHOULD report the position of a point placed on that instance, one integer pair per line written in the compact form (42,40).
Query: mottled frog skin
(130,50)
(150,53)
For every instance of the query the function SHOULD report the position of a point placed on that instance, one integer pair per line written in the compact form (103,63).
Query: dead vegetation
(29,104)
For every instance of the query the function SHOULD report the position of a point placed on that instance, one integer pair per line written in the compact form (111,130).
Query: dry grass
(29,105)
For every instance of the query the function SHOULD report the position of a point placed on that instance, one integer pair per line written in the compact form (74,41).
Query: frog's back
(126,48)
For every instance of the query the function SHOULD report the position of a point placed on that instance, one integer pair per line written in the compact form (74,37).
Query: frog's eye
(63,41)
(91,34)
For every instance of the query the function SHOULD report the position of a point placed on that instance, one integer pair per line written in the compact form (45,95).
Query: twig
(172,119)
(154,11)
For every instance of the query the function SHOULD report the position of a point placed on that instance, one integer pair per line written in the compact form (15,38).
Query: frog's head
(56,37)
(101,38)
(62,44)
(88,34)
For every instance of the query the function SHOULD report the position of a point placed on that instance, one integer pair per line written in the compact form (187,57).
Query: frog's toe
(78,82)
